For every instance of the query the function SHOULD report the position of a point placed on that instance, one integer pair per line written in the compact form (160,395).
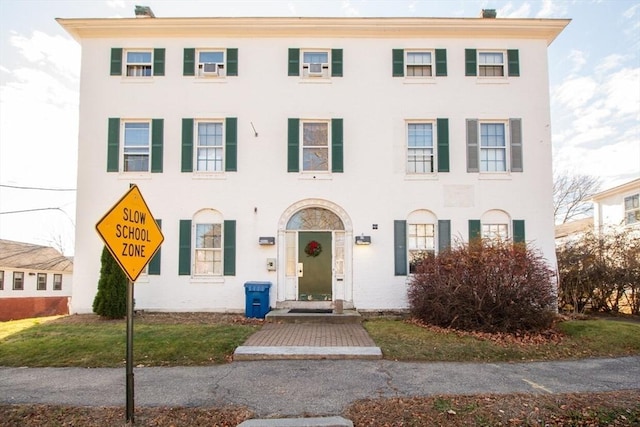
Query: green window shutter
(231,144)
(400,247)
(187,145)
(336,62)
(294,62)
(515,130)
(398,62)
(470,65)
(293,146)
(475,229)
(513,60)
(472,146)
(518,231)
(189,62)
(154,264)
(441,62)
(337,150)
(229,254)
(113,145)
(157,136)
(158,62)
(184,254)
(116,61)
(232,62)
(444,234)
(443,145)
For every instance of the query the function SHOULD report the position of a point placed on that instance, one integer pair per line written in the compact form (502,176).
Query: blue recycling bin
(257,299)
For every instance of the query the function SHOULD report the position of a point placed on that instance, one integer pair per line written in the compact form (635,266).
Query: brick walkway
(310,335)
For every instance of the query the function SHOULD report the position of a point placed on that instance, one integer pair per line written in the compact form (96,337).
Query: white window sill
(502,176)
(319,176)
(419,80)
(219,79)
(206,279)
(134,175)
(132,79)
(315,80)
(421,177)
(209,176)
(492,80)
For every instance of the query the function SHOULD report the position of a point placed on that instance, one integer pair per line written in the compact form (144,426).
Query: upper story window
(315,145)
(420,153)
(18,280)
(315,63)
(210,62)
(209,148)
(57,282)
(141,149)
(492,63)
(632,209)
(137,62)
(209,145)
(494,146)
(419,63)
(42,282)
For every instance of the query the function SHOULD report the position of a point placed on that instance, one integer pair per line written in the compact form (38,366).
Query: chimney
(489,13)
(144,12)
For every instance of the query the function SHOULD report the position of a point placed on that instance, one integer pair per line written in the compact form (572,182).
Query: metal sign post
(133,237)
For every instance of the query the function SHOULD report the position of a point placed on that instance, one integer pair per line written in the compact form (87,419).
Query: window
(419,64)
(420,148)
(421,242)
(57,282)
(18,281)
(42,282)
(136,148)
(495,231)
(1,280)
(210,63)
(315,63)
(209,147)
(315,146)
(208,244)
(493,148)
(139,63)
(491,64)
(632,209)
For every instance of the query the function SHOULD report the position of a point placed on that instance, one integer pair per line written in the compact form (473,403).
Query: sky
(594,75)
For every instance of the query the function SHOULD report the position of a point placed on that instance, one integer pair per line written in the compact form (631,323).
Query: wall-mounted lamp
(363,240)
(266,240)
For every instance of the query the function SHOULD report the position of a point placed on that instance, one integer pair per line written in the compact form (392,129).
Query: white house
(35,281)
(618,206)
(318,154)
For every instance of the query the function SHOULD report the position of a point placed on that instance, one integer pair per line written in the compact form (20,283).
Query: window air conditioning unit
(315,69)
(209,68)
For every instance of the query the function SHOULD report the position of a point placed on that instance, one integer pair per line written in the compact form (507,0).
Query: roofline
(248,27)
(619,188)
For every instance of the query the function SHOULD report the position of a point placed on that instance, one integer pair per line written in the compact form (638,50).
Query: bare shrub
(490,286)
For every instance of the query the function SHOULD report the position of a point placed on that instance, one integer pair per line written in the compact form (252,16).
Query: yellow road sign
(130,233)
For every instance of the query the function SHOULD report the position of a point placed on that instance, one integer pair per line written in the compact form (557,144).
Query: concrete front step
(287,316)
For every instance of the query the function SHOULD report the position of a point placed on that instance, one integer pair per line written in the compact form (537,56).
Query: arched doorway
(315,266)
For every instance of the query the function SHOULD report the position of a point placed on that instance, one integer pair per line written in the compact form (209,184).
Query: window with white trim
(136,147)
(421,241)
(632,209)
(211,63)
(18,280)
(42,282)
(495,231)
(493,147)
(315,146)
(419,64)
(491,64)
(209,146)
(315,63)
(139,63)
(420,150)
(57,282)
(208,249)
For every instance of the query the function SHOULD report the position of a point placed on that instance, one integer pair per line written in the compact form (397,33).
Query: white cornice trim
(546,29)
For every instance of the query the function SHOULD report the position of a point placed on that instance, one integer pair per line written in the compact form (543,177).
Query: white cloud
(629,13)
(522,12)
(115,4)
(575,92)
(348,9)
(622,91)
(609,62)
(50,53)
(578,58)
(551,9)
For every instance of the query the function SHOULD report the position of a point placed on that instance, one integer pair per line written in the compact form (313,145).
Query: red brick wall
(24,308)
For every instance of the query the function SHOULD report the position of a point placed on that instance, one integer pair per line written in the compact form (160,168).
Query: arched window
(315,219)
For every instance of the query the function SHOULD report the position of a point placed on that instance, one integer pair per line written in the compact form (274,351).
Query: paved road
(314,387)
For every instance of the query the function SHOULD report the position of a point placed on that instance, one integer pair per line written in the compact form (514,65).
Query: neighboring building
(319,154)
(618,206)
(35,281)
(570,231)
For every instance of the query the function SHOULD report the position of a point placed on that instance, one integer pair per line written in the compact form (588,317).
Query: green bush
(111,299)
(489,286)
